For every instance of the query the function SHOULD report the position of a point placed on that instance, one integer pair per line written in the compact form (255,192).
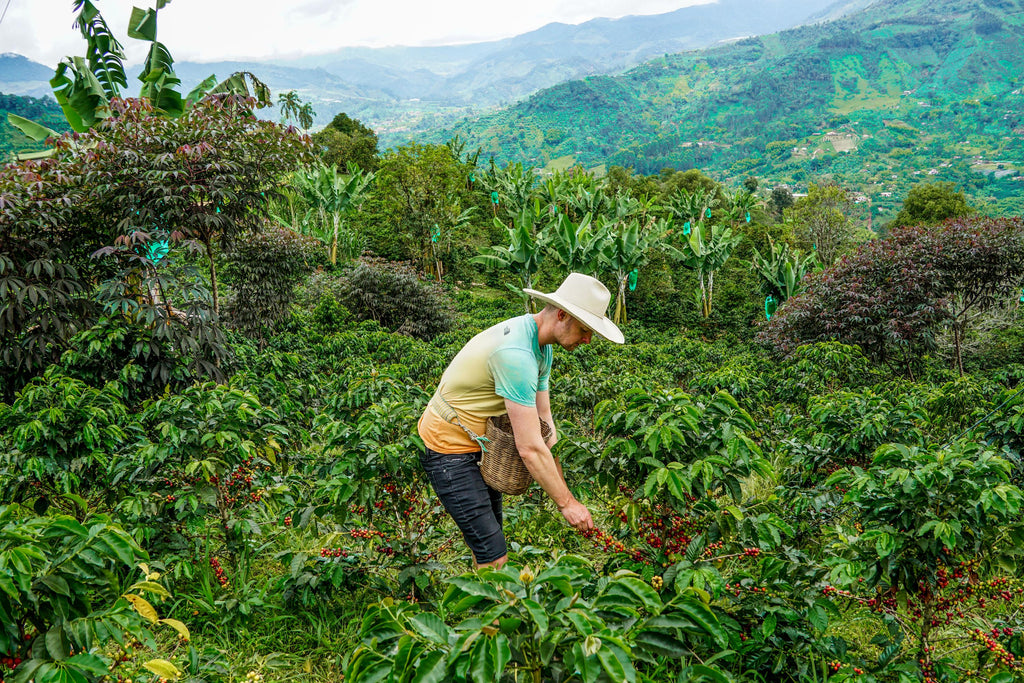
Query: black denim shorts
(475,507)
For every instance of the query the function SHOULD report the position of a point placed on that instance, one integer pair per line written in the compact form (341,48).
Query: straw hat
(585,299)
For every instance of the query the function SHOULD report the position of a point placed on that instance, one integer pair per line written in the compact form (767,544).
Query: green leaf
(142,24)
(703,617)
(482,661)
(89,663)
(539,616)
(431,627)
(768,625)
(56,644)
(588,667)
(36,131)
(818,616)
(430,668)
(661,644)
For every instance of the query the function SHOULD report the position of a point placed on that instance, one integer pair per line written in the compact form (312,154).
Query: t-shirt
(503,361)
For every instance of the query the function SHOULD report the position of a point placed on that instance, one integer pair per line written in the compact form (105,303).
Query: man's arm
(544,410)
(539,461)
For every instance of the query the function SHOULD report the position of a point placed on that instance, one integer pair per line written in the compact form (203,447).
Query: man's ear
(562,315)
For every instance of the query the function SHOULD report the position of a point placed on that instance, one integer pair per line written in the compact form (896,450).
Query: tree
(345,140)
(85,88)
(206,180)
(577,246)
(525,250)
(931,203)
(422,192)
(625,248)
(331,195)
(893,295)
(705,250)
(510,186)
(294,109)
(265,267)
(821,220)
(982,266)
(782,271)
(691,207)
(780,200)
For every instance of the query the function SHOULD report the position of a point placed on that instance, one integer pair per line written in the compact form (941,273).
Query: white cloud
(210,30)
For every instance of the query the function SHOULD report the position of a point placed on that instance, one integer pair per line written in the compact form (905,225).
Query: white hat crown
(586,299)
(586,293)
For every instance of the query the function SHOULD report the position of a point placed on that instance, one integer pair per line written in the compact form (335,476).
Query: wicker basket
(502,468)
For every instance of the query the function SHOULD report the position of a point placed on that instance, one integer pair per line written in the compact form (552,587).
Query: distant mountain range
(418,88)
(899,92)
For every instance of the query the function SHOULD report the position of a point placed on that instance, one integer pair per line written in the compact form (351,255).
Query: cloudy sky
(211,30)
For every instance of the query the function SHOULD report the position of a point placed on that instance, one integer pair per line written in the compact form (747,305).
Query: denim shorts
(475,507)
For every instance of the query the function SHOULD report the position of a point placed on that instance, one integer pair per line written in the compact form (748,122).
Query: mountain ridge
(415,88)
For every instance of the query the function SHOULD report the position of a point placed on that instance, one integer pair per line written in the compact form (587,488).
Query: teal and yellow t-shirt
(503,361)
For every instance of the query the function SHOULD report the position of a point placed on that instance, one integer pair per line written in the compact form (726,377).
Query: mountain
(21,76)
(407,89)
(900,91)
(488,74)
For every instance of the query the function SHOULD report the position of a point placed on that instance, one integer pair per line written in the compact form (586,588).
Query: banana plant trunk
(620,299)
(336,220)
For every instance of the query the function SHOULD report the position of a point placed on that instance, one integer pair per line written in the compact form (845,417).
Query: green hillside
(42,110)
(901,91)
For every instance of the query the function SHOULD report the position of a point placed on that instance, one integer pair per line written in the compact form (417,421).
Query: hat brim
(601,325)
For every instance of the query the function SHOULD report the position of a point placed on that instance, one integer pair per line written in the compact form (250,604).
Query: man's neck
(545,327)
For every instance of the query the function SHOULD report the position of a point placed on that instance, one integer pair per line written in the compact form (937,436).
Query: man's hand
(577,514)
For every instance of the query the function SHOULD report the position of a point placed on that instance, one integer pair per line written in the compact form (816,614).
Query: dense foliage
(844,505)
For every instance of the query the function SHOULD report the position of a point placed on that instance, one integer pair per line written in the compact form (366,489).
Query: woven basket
(502,468)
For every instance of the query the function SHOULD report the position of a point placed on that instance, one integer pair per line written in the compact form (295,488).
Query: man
(505,369)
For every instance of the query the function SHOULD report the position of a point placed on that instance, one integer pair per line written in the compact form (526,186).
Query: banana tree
(525,250)
(444,233)
(691,207)
(782,271)
(555,193)
(626,247)
(705,250)
(332,195)
(739,207)
(577,246)
(85,86)
(510,187)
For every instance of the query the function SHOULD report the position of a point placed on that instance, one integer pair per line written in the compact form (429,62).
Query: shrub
(265,268)
(392,295)
(891,297)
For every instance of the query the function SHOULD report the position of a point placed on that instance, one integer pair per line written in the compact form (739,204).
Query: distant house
(934,171)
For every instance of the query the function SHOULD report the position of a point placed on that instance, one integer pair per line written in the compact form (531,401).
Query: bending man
(505,369)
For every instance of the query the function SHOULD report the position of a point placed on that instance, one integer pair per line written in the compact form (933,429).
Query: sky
(214,30)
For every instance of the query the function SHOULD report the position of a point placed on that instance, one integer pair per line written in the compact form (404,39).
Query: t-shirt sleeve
(545,369)
(515,375)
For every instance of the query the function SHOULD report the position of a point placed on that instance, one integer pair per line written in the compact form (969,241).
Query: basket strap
(449,414)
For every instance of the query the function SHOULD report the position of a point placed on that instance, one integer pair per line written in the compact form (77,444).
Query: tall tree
(930,203)
(822,221)
(626,247)
(525,251)
(346,140)
(421,192)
